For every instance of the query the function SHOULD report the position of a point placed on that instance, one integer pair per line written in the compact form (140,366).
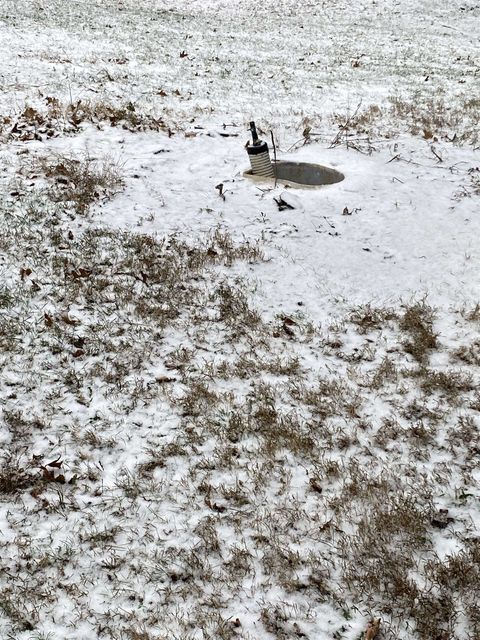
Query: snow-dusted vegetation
(222,417)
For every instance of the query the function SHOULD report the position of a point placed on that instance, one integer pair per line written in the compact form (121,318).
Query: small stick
(274,157)
(439,158)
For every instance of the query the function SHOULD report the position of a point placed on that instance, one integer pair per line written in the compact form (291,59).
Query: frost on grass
(175,462)
(79,181)
(51,118)
(176,465)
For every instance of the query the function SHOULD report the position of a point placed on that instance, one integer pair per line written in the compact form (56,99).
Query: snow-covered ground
(221,419)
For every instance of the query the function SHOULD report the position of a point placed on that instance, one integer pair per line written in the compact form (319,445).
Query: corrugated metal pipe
(258,155)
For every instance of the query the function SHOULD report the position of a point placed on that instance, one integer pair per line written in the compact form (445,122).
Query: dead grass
(209,452)
(471,185)
(56,117)
(384,555)
(450,382)
(15,476)
(80,181)
(434,118)
(431,118)
(124,115)
(368,318)
(234,308)
(417,322)
(472,314)
(469,353)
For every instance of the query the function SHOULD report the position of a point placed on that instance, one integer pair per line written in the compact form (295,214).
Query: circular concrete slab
(300,174)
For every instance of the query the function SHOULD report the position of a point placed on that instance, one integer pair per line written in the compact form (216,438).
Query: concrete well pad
(300,174)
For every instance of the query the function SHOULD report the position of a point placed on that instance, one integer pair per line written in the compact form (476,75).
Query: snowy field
(222,418)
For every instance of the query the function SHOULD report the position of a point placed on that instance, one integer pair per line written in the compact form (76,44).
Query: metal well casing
(260,160)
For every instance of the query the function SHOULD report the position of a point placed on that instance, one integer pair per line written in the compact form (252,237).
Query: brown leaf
(79,342)
(30,113)
(315,485)
(48,319)
(57,463)
(441,520)
(282,204)
(81,273)
(52,101)
(78,353)
(66,318)
(164,379)
(214,506)
(48,474)
(36,491)
(287,330)
(24,273)
(373,627)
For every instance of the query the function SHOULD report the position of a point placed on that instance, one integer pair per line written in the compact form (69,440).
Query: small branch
(439,158)
(274,157)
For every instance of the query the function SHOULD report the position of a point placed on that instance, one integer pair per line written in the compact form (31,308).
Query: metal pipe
(259,155)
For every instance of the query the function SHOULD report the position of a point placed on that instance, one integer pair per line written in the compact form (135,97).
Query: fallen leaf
(441,520)
(24,273)
(214,506)
(282,204)
(315,485)
(164,379)
(81,273)
(78,342)
(55,463)
(48,475)
(66,318)
(48,319)
(373,627)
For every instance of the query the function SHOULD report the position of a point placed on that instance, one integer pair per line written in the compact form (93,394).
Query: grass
(55,117)
(434,118)
(368,318)
(15,477)
(80,181)
(431,118)
(225,475)
(417,322)
(322,497)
